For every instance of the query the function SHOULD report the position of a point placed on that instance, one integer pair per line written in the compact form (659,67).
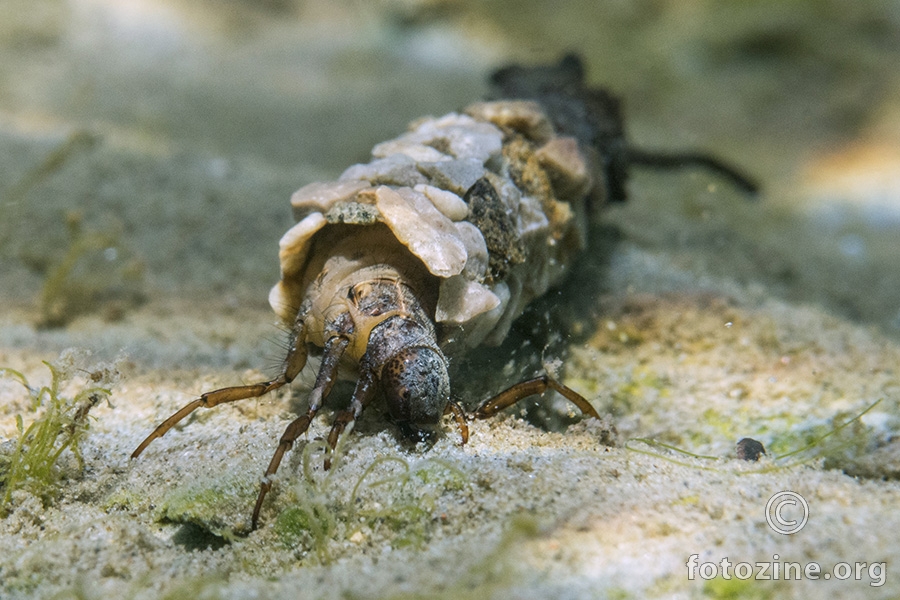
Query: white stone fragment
(460,135)
(397,169)
(483,326)
(293,252)
(417,152)
(460,300)
(530,218)
(455,175)
(512,302)
(476,249)
(453,207)
(280,302)
(423,229)
(294,245)
(321,196)
(524,116)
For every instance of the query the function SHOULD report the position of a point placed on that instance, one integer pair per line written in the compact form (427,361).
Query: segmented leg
(362,395)
(675,160)
(334,349)
(293,364)
(459,415)
(523,389)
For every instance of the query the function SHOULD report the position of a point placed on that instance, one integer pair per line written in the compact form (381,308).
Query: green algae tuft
(32,461)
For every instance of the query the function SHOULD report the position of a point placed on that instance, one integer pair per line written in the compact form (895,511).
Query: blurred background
(148,148)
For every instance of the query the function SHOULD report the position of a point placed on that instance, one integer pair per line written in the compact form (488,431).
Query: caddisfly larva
(439,243)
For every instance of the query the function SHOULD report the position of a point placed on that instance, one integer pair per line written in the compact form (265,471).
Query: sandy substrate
(144,188)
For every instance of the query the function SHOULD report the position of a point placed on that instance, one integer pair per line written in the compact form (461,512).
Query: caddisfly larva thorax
(357,278)
(362,285)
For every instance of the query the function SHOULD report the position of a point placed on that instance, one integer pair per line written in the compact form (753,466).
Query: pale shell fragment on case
(423,229)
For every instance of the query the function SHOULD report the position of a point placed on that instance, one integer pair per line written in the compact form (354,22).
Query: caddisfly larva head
(416,386)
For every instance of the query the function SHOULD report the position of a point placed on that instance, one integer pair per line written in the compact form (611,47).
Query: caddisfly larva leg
(362,395)
(459,415)
(334,349)
(523,389)
(675,160)
(293,364)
